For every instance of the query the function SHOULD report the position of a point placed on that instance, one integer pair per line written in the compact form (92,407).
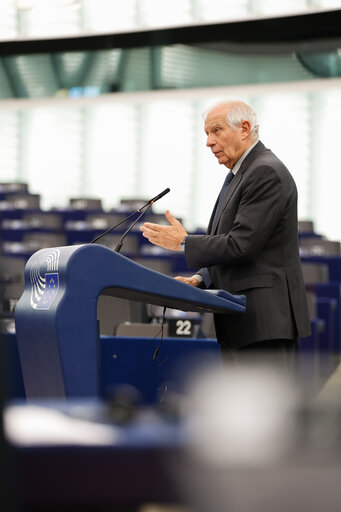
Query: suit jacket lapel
(233,186)
(209,229)
(229,193)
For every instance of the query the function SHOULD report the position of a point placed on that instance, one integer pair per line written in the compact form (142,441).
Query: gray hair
(236,113)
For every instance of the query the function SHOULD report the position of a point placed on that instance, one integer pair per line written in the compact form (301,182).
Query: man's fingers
(151,235)
(188,280)
(150,225)
(148,233)
(168,237)
(172,220)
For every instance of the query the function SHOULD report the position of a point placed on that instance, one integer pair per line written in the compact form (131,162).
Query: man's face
(226,144)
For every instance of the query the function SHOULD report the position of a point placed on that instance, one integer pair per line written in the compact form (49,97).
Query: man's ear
(245,129)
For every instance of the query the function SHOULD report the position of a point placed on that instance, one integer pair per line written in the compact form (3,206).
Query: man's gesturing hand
(168,237)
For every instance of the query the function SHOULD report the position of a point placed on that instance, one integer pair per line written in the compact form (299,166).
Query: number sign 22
(182,328)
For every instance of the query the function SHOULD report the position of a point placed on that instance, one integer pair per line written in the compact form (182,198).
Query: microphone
(156,198)
(147,206)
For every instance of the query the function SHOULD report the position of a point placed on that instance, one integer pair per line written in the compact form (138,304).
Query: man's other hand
(188,280)
(168,237)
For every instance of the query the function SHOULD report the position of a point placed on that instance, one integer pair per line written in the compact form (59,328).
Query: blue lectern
(56,317)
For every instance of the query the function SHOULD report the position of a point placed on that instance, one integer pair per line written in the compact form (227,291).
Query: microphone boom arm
(143,210)
(120,243)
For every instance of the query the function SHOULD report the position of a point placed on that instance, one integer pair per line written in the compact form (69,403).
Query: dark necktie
(223,191)
(206,276)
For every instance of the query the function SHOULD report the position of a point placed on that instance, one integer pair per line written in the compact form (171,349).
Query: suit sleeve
(262,203)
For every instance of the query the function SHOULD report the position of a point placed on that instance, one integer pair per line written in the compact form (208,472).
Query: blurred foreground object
(255,446)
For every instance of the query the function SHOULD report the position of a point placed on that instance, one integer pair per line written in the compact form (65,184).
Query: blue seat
(332,290)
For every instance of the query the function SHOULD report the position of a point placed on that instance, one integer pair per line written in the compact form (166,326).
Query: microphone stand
(118,224)
(144,209)
(120,243)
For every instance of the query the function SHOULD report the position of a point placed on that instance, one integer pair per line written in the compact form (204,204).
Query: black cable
(161,376)
(161,337)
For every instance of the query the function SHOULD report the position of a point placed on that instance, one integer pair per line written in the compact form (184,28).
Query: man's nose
(209,141)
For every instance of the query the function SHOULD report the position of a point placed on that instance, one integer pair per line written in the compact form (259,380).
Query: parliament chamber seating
(305,226)
(6,189)
(14,229)
(321,266)
(29,229)
(83,203)
(315,246)
(21,201)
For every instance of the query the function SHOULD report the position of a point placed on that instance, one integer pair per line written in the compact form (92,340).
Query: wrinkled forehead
(215,117)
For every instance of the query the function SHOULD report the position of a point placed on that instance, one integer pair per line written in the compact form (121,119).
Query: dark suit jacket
(252,249)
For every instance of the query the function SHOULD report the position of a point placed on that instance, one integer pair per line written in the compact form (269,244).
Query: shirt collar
(239,162)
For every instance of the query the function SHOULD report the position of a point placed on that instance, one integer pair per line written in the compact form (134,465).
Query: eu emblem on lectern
(51,289)
(44,278)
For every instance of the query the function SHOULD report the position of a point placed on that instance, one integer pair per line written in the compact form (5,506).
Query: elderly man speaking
(251,245)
